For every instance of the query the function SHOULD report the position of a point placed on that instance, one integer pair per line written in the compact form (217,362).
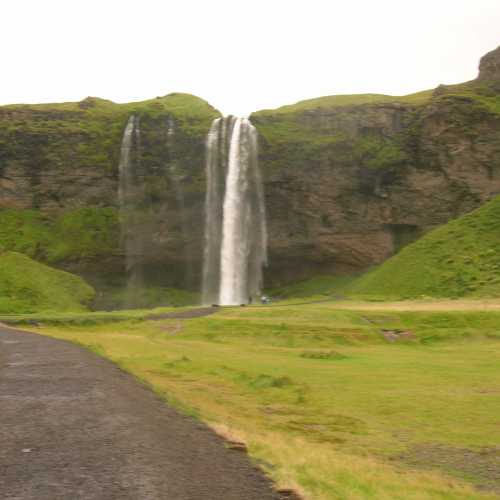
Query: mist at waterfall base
(151,189)
(235,219)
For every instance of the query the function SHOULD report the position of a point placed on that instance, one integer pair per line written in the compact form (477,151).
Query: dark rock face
(489,67)
(348,180)
(392,172)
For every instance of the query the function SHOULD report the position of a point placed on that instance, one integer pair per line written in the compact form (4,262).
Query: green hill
(458,259)
(335,101)
(27,286)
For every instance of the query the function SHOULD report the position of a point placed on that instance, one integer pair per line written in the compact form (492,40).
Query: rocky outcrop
(489,67)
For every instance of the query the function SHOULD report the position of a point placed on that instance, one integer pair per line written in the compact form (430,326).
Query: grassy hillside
(480,92)
(323,399)
(458,259)
(27,286)
(334,101)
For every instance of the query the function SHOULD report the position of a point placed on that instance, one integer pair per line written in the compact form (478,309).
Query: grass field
(327,401)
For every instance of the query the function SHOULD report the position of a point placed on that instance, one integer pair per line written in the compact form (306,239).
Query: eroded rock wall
(348,185)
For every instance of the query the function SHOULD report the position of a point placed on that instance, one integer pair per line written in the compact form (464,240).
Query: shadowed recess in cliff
(235,225)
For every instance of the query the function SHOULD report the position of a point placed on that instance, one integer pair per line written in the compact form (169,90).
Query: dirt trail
(74,426)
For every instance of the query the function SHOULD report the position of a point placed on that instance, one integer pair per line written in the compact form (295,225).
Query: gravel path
(74,426)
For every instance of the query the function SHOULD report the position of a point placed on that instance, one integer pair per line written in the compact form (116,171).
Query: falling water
(129,198)
(235,225)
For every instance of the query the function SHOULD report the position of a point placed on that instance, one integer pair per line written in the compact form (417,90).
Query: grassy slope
(322,400)
(28,286)
(458,259)
(481,92)
(335,101)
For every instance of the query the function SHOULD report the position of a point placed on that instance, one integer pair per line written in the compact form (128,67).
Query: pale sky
(240,56)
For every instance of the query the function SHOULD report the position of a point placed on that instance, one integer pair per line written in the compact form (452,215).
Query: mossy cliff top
(185,107)
(88,133)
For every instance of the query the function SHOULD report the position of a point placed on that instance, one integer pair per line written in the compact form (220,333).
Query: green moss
(82,233)
(27,286)
(25,231)
(458,259)
(87,232)
(479,95)
(194,114)
(377,152)
(345,130)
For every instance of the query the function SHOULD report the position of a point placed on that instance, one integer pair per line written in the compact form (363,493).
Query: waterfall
(130,194)
(235,224)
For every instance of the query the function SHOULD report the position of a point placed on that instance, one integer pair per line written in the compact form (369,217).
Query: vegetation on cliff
(86,134)
(76,234)
(345,127)
(59,179)
(27,286)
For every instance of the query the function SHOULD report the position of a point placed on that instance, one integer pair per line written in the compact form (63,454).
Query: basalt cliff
(348,180)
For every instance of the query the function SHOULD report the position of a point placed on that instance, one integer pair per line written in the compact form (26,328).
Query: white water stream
(235,224)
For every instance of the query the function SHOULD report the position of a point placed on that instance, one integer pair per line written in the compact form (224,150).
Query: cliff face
(59,185)
(489,66)
(348,179)
(351,179)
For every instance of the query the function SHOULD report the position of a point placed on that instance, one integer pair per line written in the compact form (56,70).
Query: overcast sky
(241,56)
